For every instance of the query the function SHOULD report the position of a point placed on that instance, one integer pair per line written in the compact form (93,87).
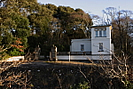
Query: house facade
(99,47)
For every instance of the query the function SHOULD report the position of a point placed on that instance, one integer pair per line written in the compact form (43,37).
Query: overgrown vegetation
(64,76)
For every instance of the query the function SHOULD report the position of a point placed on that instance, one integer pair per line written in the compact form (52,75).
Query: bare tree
(20,79)
(97,20)
(110,14)
(122,23)
(117,68)
(9,78)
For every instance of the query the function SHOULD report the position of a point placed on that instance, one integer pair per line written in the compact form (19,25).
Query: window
(100,47)
(96,33)
(100,33)
(104,33)
(82,47)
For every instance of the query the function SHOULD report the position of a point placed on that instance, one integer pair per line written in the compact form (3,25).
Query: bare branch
(83,75)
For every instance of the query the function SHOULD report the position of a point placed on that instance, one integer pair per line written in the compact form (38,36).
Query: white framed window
(104,33)
(96,33)
(100,33)
(100,47)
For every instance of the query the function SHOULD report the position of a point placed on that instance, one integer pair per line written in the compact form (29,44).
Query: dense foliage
(25,24)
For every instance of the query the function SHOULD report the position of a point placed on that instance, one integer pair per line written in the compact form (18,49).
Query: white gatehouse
(99,47)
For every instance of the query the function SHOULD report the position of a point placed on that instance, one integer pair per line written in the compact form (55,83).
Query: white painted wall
(106,46)
(76,45)
(105,40)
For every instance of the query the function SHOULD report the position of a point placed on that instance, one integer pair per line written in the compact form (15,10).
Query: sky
(92,6)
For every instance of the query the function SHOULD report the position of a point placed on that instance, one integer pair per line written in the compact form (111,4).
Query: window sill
(100,36)
(101,51)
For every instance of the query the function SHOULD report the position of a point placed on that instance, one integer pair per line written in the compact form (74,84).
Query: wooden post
(50,56)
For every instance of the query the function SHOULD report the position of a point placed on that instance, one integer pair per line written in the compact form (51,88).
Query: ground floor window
(101,47)
(82,47)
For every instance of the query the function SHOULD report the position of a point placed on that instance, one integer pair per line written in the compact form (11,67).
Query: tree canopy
(24,24)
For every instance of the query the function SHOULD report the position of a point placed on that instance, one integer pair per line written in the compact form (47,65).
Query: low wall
(15,58)
(73,57)
(83,57)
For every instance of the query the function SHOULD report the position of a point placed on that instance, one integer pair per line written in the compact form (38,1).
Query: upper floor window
(104,33)
(96,33)
(100,32)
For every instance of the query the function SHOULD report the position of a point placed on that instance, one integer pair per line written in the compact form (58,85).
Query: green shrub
(128,85)
(84,85)
(16,52)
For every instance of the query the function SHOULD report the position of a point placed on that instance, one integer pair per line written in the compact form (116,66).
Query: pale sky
(92,6)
